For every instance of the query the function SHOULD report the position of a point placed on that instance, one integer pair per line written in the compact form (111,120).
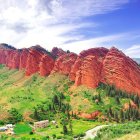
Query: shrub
(75,136)
(47,138)
(54,136)
(1,122)
(59,137)
(31,133)
(82,134)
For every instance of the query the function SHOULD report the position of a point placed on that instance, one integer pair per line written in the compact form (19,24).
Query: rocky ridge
(89,68)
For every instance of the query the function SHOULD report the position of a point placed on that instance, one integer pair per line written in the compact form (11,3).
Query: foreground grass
(116,131)
(132,136)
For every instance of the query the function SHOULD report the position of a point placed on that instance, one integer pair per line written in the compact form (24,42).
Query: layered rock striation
(33,60)
(89,68)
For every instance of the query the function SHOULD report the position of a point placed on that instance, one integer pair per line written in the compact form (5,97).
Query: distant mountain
(137,60)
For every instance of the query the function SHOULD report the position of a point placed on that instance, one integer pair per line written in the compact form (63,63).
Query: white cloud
(103,41)
(29,22)
(133,51)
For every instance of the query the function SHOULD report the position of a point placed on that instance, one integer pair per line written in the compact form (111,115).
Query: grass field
(22,128)
(132,136)
(79,126)
(119,131)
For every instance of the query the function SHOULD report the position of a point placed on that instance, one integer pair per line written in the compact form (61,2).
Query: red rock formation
(91,116)
(23,58)
(2,56)
(89,73)
(34,58)
(121,71)
(64,63)
(14,59)
(46,65)
(75,68)
(5,50)
(98,52)
(57,52)
(40,61)
(87,68)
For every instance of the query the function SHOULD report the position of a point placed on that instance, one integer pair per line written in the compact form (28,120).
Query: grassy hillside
(24,93)
(27,93)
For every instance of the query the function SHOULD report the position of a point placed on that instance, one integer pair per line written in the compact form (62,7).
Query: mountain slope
(89,68)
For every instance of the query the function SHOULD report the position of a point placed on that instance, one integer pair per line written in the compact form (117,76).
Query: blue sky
(73,25)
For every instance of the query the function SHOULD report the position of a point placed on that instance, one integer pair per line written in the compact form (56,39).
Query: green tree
(121,115)
(110,112)
(117,100)
(64,122)
(136,99)
(116,116)
(15,116)
(36,115)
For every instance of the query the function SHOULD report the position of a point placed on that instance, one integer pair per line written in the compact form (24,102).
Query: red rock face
(98,52)
(39,61)
(5,51)
(46,65)
(87,68)
(2,56)
(57,52)
(64,63)
(23,58)
(89,73)
(121,71)
(91,116)
(11,58)
(33,61)
(75,68)
(15,59)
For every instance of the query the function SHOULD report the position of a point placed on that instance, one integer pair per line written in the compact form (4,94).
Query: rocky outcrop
(57,52)
(36,61)
(9,56)
(108,66)
(33,60)
(5,51)
(23,58)
(64,63)
(90,116)
(121,71)
(100,52)
(46,65)
(89,73)
(75,68)
(13,59)
(89,68)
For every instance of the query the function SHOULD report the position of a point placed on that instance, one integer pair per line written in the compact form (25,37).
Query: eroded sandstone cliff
(89,68)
